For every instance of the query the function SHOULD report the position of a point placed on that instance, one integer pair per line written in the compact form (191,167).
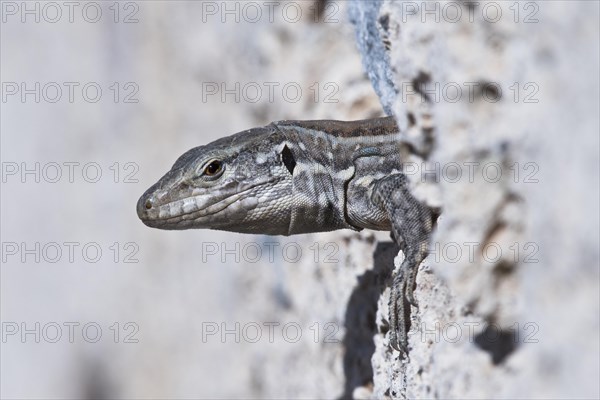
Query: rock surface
(502,100)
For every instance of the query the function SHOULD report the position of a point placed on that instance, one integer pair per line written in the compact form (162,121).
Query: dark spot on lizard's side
(412,121)
(328,214)
(419,82)
(288,159)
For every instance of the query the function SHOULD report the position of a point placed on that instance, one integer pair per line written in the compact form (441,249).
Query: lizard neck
(326,155)
(324,167)
(318,181)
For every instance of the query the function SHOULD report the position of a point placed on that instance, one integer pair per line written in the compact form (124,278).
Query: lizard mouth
(197,211)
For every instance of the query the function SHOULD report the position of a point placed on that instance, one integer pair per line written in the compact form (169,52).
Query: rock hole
(419,82)
(497,342)
(384,21)
(488,91)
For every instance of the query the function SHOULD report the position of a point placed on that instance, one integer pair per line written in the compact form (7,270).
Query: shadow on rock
(360,319)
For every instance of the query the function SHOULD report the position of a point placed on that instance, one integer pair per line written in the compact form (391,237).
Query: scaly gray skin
(294,177)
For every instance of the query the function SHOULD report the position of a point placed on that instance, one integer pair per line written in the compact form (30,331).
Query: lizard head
(241,183)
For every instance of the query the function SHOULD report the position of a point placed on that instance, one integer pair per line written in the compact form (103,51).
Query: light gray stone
(541,214)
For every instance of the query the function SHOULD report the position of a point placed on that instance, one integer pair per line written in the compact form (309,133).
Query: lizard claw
(396,343)
(398,336)
(409,285)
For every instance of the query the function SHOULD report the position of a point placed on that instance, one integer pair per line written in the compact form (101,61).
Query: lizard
(294,177)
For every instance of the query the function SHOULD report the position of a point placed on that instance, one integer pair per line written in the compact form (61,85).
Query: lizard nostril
(148,204)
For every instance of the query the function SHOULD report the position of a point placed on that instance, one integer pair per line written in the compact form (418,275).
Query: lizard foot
(398,336)
(411,228)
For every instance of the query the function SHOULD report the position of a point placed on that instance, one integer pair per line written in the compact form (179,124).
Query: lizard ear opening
(288,159)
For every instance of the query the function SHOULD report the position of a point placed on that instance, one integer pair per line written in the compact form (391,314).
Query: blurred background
(98,100)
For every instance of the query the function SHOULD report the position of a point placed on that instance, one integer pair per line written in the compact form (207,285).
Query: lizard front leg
(411,228)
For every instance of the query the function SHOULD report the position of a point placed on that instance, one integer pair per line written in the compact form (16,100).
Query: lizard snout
(145,203)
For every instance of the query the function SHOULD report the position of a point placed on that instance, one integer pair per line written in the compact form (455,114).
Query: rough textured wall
(501,99)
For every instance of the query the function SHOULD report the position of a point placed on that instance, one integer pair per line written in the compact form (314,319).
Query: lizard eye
(213,168)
